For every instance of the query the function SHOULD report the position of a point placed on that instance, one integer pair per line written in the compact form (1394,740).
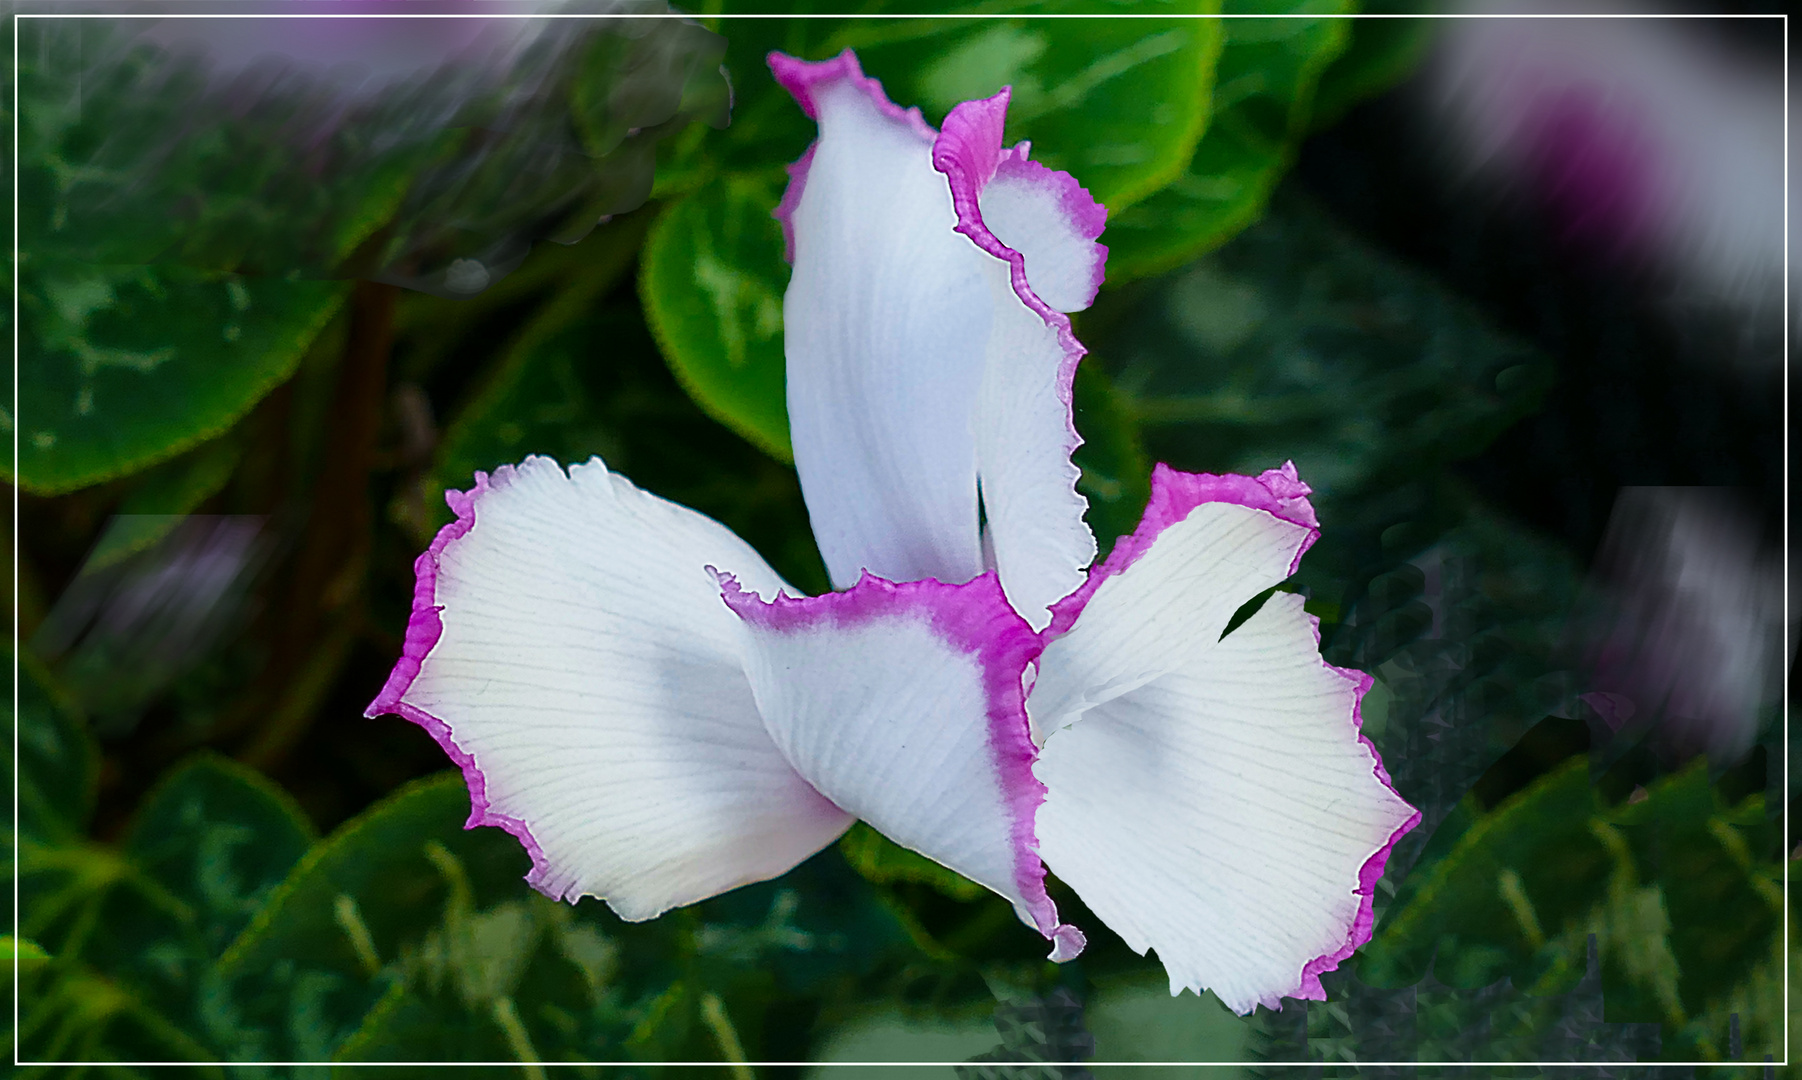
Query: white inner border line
(1784,720)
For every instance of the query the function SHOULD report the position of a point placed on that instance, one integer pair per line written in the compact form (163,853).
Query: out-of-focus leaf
(206,846)
(24,950)
(524,980)
(1432,1022)
(123,367)
(1718,871)
(135,932)
(1136,1019)
(1117,103)
(712,286)
(404,937)
(1677,891)
(1463,637)
(147,145)
(58,762)
(305,972)
(883,861)
(1472,916)
(71,1013)
(1263,92)
(220,837)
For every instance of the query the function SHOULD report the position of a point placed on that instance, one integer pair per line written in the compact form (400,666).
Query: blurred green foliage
(175,902)
(167,221)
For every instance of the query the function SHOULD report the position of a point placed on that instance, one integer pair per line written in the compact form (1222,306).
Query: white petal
(902,703)
(1025,432)
(922,366)
(570,650)
(1206,545)
(1228,814)
(886,322)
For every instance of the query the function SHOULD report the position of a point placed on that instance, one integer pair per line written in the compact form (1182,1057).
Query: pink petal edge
(800,77)
(970,154)
(1363,925)
(976,618)
(1176,494)
(424,628)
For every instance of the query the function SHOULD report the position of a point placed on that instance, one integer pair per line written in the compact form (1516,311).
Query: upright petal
(1206,545)
(1039,227)
(925,371)
(886,321)
(570,651)
(1227,813)
(902,703)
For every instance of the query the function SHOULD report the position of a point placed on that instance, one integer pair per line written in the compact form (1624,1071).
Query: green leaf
(458,960)
(1117,103)
(1716,866)
(23,950)
(1263,90)
(526,980)
(1487,905)
(136,931)
(208,843)
(123,367)
(58,761)
(883,861)
(130,153)
(220,837)
(712,285)
(305,972)
(1677,890)
(1080,85)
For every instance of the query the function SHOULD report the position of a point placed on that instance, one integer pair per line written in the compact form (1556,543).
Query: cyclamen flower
(633,692)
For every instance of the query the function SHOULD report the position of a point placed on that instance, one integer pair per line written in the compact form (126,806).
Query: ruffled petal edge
(1308,987)
(424,627)
(1174,495)
(799,77)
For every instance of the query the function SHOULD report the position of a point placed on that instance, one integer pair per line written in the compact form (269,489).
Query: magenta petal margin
(1174,495)
(1364,923)
(800,78)
(424,628)
(969,153)
(974,618)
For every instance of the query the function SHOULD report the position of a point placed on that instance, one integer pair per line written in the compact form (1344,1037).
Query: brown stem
(329,566)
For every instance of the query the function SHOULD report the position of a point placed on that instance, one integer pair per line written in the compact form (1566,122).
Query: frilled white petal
(923,368)
(570,650)
(1025,432)
(886,320)
(902,703)
(1227,813)
(1206,545)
